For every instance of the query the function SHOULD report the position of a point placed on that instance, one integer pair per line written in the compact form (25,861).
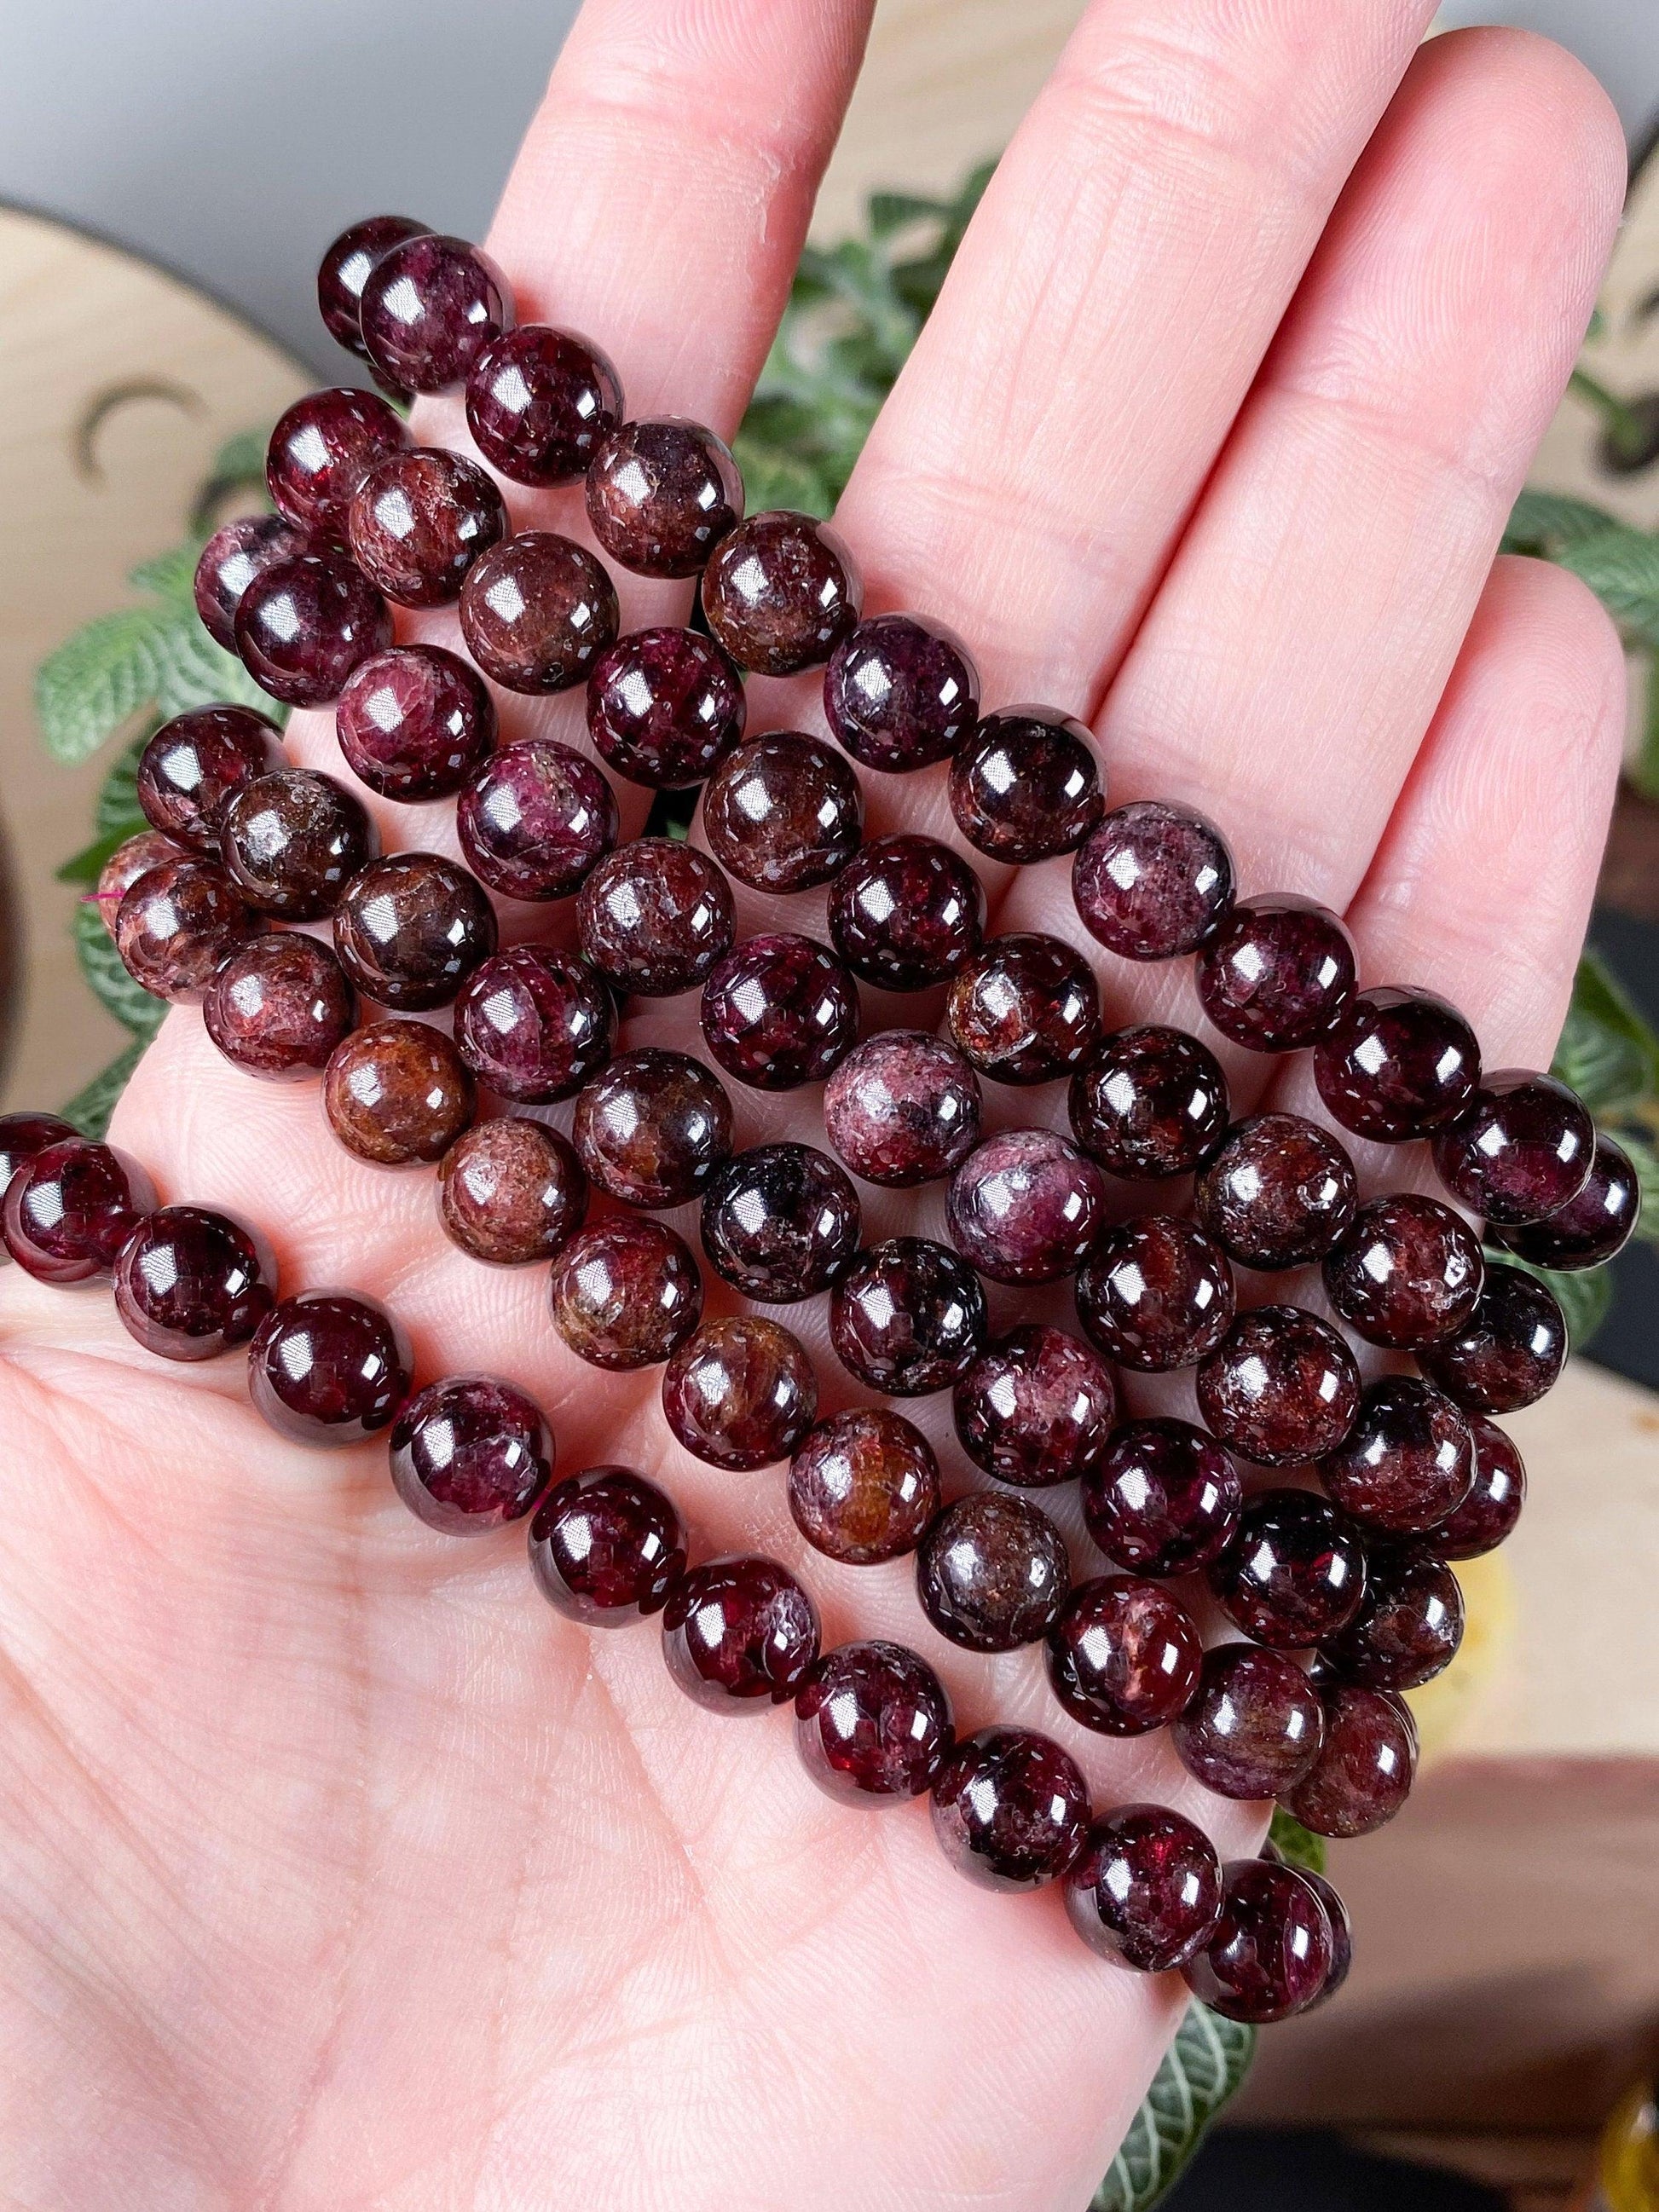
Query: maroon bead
(1155,1293)
(1508,1353)
(780,1222)
(1035,1408)
(1026,786)
(740,1635)
(740,1393)
(1278,1192)
(1406,1272)
(863,1486)
(132,858)
(607,1548)
(905,912)
(662,494)
(778,1011)
(23,1135)
(278,1006)
(872,1724)
(663,706)
(416,722)
(70,1207)
(1363,1772)
(1276,972)
(625,1294)
(993,1571)
(1145,1888)
(1519,1150)
(1271,1951)
(321,450)
(470,1454)
(903,1108)
(1152,881)
(1492,1507)
(329,1368)
(540,402)
(304,625)
(1406,1463)
(398,1094)
(195,764)
(190,1284)
(1398,1065)
(1149,1101)
(419,519)
(900,694)
(177,924)
(1591,1229)
(511,1192)
(1024,1009)
(1282,1386)
(654,917)
(1010,1809)
(538,611)
(534,1024)
(1294,1572)
(652,1127)
(536,819)
(1409,1627)
(345,270)
(427,309)
(1124,1655)
(906,1317)
(780,591)
(783,812)
(1341,1937)
(231,559)
(1026,1206)
(411,928)
(1163,1499)
(292,839)
(1255,1725)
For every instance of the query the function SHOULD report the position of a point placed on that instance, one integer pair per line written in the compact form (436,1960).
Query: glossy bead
(625,1294)
(190,1284)
(1035,1408)
(23,1135)
(903,1108)
(1593,1228)
(329,1368)
(1510,1351)
(1363,1772)
(1270,1954)
(1282,1386)
(863,1486)
(303,625)
(1276,973)
(70,1207)
(783,812)
(194,765)
(991,1572)
(540,402)
(397,1093)
(1145,1888)
(1024,1009)
(419,519)
(511,1192)
(900,694)
(1341,1937)
(1488,1514)
(1294,1572)
(778,1011)
(1163,1499)
(132,858)
(292,839)
(470,1454)
(344,269)
(872,1724)
(607,1548)
(906,1317)
(1409,1627)
(177,924)
(1152,881)
(740,1393)
(652,1127)
(1026,785)
(1406,1463)
(537,612)
(663,706)
(1406,1272)
(1155,1293)
(278,1006)
(740,1635)
(536,819)
(654,917)
(905,912)
(661,494)
(1124,1655)
(1026,1206)
(1149,1101)
(411,928)
(1519,1150)
(780,591)
(1010,1809)
(321,450)
(1255,1726)
(534,1024)
(427,309)
(780,1222)
(1279,1191)
(415,723)
(231,559)
(1398,1064)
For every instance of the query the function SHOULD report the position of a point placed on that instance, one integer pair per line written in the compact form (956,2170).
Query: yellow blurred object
(1443,1707)
(1626,2175)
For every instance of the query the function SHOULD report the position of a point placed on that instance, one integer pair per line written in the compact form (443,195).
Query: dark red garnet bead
(132,858)
(1398,1064)
(1342,1937)
(652,1127)
(740,1635)
(540,402)
(511,1192)
(740,1393)
(1035,1408)
(663,706)
(606,1546)
(783,812)
(534,1024)
(654,917)
(1163,1499)
(231,559)
(906,913)
(1146,1890)
(872,1724)
(23,1135)
(1294,1572)
(1026,1206)
(906,1317)
(303,626)
(1155,1293)
(1124,1657)
(329,1368)
(778,1011)
(1519,1150)
(1409,1627)
(1149,1101)
(190,1284)
(345,270)
(1271,1953)
(398,1093)
(900,694)
(1276,973)
(1591,1229)
(195,764)
(427,309)
(1026,786)
(1406,1272)
(292,841)
(1363,1772)
(419,519)
(780,591)
(536,819)
(1509,1352)
(70,1207)
(863,1486)
(1408,1461)
(411,928)
(1152,881)
(1279,1191)
(1255,1725)
(780,1222)
(993,1571)
(1024,1009)
(1282,1386)
(537,612)
(1489,1513)
(1010,1809)
(177,924)
(321,450)
(625,1293)
(416,722)
(662,494)
(903,1108)
(469,1454)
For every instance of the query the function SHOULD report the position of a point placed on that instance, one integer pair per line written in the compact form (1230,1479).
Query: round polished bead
(780,1222)
(1152,881)
(427,309)
(1026,1206)
(900,694)
(1035,1408)
(778,1011)
(1255,1725)
(663,706)
(1124,1657)
(469,1454)
(1026,785)
(1162,1498)
(906,1317)
(652,1127)
(903,1108)
(292,839)
(1488,1514)
(1271,1953)
(1149,1101)
(654,917)
(863,1486)
(534,1024)
(1282,1386)
(1510,1351)
(740,1393)
(1024,1009)
(132,858)
(321,450)
(780,591)
(740,1635)
(415,723)
(1276,973)
(231,559)
(1409,1627)
(662,493)
(329,1368)
(1010,1809)
(411,928)
(190,1284)
(1146,1889)
(1363,1772)
(625,1294)
(194,765)
(1294,1572)
(1279,1191)
(1341,1937)
(991,1572)
(278,1006)
(1406,1272)
(398,1094)
(607,1548)
(536,819)
(783,812)
(419,519)
(70,1207)
(177,924)
(1519,1150)
(303,625)
(906,913)
(1398,1064)
(23,1135)
(1155,1293)
(1591,1229)
(1408,1461)
(345,270)
(511,1192)
(537,612)
(540,402)
(872,1724)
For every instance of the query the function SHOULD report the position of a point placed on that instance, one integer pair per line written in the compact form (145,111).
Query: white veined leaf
(98,679)
(134,1007)
(1201,2069)
(194,671)
(1621,566)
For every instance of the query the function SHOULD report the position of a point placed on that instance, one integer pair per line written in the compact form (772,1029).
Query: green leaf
(1607,1052)
(193,672)
(133,1006)
(89,1110)
(98,679)
(118,813)
(1644,1159)
(241,459)
(1202,2067)
(1621,566)
(171,576)
(1297,1843)
(1584,1295)
(1544,521)
(87,864)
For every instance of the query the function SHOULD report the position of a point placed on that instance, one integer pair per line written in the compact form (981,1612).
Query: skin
(335,1869)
